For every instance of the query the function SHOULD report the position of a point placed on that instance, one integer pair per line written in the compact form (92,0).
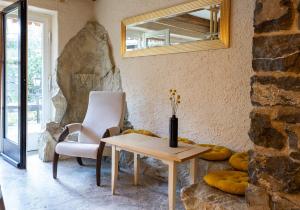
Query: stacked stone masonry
(274,167)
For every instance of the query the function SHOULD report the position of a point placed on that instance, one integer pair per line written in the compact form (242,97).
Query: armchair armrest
(70,128)
(113,131)
(74,127)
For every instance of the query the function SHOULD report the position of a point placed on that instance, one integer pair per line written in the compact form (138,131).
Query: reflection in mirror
(198,25)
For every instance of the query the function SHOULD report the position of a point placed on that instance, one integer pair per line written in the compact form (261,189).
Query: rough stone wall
(274,167)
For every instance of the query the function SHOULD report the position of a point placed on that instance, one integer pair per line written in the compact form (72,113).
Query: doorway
(38,85)
(27,100)
(14,79)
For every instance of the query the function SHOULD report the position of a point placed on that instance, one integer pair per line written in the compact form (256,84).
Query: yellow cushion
(216,152)
(185,140)
(239,161)
(140,131)
(234,182)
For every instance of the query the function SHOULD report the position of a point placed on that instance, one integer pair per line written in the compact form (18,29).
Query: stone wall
(274,167)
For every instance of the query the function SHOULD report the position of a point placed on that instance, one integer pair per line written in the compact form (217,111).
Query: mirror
(192,26)
(202,24)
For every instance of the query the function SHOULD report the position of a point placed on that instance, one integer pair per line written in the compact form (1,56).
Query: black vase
(173,141)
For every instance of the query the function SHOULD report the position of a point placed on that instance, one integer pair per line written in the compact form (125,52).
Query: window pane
(12,83)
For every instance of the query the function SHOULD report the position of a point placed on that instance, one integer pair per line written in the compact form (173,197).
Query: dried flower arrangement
(175,100)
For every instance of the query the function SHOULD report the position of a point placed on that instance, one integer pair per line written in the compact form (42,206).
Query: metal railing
(30,108)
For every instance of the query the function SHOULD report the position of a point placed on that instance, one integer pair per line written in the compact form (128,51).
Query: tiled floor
(75,188)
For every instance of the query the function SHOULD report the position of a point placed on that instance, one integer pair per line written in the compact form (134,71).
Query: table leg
(114,169)
(136,168)
(193,170)
(172,185)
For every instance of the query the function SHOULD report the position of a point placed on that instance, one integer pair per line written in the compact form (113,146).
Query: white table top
(155,147)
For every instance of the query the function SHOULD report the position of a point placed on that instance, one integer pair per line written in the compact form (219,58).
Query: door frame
(47,66)
(22,6)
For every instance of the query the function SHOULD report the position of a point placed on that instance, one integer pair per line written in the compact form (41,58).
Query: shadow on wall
(86,64)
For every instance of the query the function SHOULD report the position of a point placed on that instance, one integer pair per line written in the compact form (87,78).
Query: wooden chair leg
(98,164)
(54,166)
(79,161)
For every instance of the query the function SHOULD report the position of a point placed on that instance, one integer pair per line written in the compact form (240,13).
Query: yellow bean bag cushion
(140,131)
(239,161)
(216,152)
(234,182)
(185,140)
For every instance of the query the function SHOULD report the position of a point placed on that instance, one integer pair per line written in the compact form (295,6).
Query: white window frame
(47,63)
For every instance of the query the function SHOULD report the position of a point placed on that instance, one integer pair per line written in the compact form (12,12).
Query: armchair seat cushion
(76,149)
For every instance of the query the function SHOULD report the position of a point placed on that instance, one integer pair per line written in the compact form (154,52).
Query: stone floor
(75,188)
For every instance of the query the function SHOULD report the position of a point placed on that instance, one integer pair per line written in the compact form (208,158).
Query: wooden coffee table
(156,148)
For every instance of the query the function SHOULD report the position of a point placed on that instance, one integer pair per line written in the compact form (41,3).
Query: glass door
(38,83)
(14,21)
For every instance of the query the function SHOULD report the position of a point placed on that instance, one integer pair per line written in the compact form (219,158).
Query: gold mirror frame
(222,42)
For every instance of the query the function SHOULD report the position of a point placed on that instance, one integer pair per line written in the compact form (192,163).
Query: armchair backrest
(105,110)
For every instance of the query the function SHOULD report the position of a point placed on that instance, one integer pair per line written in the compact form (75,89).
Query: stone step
(202,196)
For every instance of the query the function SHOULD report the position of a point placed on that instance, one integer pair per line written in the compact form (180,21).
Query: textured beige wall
(72,16)
(214,84)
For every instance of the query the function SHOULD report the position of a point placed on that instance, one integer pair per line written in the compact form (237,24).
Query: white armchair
(104,117)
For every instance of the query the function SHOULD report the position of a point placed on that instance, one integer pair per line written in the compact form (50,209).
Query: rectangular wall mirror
(192,26)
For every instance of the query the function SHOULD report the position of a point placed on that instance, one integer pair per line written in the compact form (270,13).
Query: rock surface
(271,91)
(289,115)
(48,141)
(275,174)
(263,133)
(274,166)
(288,83)
(283,201)
(271,95)
(276,53)
(273,15)
(257,198)
(202,196)
(84,65)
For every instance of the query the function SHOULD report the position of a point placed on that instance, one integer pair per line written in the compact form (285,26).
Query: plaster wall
(72,15)
(214,84)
